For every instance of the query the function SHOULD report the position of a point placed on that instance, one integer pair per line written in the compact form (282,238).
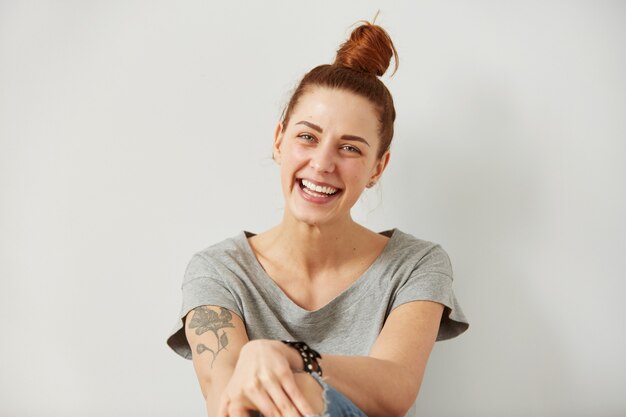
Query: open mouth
(315,190)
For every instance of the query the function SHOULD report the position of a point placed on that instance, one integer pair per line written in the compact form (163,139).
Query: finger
(281,399)
(236,409)
(305,393)
(222,410)
(296,396)
(259,399)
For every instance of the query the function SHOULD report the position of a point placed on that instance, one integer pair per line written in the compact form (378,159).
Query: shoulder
(217,256)
(408,241)
(229,247)
(418,254)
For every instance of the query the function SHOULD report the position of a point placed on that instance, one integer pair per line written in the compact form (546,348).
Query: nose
(323,159)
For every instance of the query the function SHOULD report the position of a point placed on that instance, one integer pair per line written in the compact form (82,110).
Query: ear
(278,138)
(380,166)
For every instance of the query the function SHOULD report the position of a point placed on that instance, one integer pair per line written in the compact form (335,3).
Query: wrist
(308,356)
(292,355)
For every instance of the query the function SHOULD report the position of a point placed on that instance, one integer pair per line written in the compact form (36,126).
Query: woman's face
(328,153)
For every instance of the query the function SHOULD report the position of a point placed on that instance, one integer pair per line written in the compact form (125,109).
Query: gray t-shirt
(408,269)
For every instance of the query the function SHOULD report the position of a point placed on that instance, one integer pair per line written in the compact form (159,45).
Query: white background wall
(134,133)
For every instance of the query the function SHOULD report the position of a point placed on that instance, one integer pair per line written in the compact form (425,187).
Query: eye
(306,137)
(351,149)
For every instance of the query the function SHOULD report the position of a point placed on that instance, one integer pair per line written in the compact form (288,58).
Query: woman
(372,304)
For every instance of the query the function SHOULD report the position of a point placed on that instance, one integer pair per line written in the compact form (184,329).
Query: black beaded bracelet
(309,356)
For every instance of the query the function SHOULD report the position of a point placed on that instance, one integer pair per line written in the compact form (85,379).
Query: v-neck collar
(355,291)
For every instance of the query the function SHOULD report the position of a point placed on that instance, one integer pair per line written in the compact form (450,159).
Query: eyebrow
(320,130)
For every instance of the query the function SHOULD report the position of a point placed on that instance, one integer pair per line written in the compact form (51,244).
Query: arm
(216,337)
(387,381)
(236,375)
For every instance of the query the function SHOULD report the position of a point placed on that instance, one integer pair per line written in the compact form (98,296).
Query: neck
(312,248)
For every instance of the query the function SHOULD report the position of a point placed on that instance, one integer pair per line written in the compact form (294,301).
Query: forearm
(378,387)
(214,386)
(386,382)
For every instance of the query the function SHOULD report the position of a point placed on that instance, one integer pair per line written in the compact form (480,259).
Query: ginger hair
(359,63)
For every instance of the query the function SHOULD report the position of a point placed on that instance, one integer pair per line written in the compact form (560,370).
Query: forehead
(339,110)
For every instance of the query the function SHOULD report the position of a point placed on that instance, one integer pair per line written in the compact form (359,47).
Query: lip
(315,199)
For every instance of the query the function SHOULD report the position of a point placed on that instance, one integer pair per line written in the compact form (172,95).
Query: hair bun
(369,50)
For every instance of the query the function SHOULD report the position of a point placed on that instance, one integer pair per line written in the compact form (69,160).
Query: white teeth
(319,188)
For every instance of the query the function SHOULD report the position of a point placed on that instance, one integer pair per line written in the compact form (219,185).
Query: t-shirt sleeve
(431,280)
(203,284)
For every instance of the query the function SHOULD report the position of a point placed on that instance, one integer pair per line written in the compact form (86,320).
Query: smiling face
(328,153)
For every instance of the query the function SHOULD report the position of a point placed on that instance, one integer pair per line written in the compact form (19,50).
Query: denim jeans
(336,404)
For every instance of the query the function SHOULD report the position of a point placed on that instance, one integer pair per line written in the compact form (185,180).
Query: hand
(263,380)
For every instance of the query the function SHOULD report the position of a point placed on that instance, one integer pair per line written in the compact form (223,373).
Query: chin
(309,220)
(316,219)
(315,215)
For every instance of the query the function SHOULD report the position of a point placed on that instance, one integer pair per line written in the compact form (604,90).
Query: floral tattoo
(204,320)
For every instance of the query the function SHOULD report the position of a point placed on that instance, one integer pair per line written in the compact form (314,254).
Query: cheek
(298,153)
(293,157)
(360,173)
(360,181)
(290,164)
